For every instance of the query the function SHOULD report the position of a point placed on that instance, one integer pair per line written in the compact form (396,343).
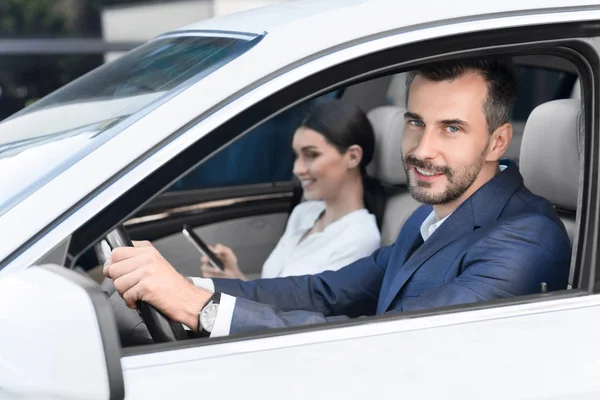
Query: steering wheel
(161,328)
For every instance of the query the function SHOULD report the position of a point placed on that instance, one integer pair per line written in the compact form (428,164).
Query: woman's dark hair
(343,125)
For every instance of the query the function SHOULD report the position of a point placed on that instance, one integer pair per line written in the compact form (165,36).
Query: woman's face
(321,168)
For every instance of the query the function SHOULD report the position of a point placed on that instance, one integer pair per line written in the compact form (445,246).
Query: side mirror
(58,337)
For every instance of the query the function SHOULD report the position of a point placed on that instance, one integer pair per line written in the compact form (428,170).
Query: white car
(110,150)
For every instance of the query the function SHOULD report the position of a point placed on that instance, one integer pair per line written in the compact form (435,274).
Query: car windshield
(52,134)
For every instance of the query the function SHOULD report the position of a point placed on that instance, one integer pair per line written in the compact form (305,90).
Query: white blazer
(344,241)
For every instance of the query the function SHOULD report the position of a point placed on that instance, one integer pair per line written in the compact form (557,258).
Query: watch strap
(216,299)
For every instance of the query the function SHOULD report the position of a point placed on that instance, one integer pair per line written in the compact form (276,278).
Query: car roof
(343,14)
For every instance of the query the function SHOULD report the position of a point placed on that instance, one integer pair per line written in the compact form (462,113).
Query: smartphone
(202,248)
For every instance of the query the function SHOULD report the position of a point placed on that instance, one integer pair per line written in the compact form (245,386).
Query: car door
(515,352)
(512,348)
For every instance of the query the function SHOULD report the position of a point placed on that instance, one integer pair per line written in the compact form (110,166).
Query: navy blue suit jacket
(502,241)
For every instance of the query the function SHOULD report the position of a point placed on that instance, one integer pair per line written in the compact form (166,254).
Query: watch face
(208,316)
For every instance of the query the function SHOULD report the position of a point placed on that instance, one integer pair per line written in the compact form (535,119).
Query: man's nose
(428,145)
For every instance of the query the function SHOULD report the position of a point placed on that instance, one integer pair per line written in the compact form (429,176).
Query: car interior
(252,237)
(250,216)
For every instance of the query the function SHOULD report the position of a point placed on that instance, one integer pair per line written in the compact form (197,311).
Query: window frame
(564,40)
(570,40)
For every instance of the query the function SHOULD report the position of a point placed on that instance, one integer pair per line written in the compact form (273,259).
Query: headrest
(551,150)
(396,93)
(576,92)
(387,164)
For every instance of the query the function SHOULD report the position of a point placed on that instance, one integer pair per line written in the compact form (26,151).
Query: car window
(263,155)
(536,86)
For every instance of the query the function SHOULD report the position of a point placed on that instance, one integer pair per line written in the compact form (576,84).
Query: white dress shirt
(342,242)
(430,225)
(225,314)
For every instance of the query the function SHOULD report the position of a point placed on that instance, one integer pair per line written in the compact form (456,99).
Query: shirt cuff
(203,283)
(222,324)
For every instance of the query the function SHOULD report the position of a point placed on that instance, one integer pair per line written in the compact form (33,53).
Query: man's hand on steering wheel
(142,273)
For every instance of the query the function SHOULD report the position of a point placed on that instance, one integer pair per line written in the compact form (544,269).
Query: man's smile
(425,175)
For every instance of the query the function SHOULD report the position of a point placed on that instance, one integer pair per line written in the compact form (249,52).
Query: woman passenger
(337,224)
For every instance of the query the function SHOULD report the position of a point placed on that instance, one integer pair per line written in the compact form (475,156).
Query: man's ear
(499,142)
(354,155)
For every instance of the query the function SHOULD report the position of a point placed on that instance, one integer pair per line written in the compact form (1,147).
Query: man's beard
(458,181)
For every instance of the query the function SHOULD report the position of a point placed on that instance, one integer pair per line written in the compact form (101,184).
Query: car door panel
(251,238)
(249,219)
(503,353)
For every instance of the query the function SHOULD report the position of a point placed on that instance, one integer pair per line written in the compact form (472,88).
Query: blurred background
(45,44)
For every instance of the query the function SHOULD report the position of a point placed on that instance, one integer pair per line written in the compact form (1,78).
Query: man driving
(480,235)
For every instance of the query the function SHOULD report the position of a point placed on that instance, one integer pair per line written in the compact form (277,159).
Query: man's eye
(416,123)
(452,129)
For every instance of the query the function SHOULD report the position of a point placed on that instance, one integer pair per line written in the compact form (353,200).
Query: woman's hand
(230,264)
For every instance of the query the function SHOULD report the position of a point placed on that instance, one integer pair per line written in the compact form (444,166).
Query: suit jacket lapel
(482,208)
(458,224)
(409,244)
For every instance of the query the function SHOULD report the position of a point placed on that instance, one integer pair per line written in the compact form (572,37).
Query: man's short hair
(500,76)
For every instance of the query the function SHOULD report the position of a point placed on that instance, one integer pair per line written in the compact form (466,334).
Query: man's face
(445,137)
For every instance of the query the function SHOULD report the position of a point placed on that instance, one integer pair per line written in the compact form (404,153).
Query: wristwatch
(208,315)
